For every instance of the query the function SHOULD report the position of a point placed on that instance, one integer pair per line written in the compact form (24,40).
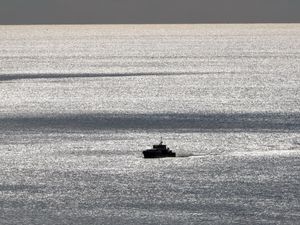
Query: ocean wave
(190,122)
(9,77)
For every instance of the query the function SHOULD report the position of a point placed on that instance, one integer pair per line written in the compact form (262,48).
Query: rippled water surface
(79,104)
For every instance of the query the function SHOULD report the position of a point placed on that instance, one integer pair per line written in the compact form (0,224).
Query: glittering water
(79,104)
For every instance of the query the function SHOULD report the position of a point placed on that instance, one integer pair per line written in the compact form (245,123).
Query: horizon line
(193,23)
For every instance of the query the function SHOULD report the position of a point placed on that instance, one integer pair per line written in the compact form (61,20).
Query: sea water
(78,104)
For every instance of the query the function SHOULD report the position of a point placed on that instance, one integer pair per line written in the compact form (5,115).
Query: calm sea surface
(78,104)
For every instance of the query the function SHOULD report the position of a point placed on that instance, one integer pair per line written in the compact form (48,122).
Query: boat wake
(185,155)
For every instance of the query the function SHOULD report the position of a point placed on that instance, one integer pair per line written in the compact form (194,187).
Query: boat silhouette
(159,151)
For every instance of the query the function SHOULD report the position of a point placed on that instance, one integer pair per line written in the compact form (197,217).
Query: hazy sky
(148,11)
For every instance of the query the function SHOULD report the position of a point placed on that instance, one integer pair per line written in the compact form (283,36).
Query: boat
(159,151)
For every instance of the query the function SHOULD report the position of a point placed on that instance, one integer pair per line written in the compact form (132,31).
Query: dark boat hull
(158,155)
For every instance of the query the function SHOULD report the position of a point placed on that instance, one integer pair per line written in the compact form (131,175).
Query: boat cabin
(160,146)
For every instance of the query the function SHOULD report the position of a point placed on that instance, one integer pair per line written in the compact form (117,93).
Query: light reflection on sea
(79,104)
